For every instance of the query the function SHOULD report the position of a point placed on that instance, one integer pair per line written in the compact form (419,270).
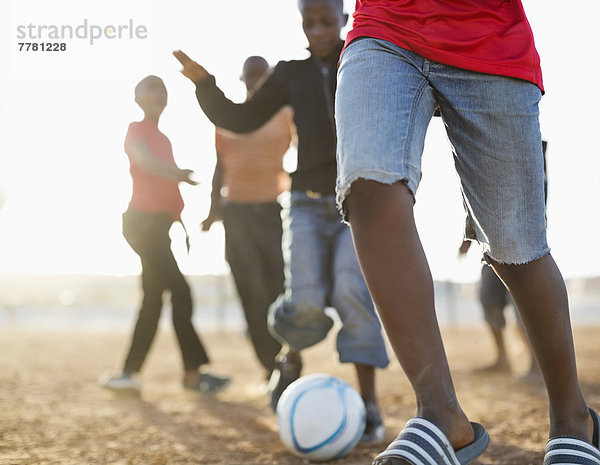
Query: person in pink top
(155,204)
(248,179)
(476,61)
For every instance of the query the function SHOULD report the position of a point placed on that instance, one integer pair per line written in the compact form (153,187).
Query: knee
(299,325)
(515,273)
(372,197)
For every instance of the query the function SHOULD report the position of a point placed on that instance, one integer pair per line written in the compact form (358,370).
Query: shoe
(374,427)
(566,450)
(124,384)
(287,369)
(207,384)
(422,442)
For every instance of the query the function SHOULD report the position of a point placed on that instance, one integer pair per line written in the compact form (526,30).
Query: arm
(142,156)
(466,243)
(214,214)
(464,248)
(237,117)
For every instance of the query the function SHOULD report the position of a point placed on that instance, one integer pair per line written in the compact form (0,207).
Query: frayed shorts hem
(384,177)
(372,356)
(488,258)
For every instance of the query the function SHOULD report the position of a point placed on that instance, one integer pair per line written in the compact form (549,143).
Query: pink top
(153,193)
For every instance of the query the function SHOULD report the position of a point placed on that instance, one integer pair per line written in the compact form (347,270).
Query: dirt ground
(52,410)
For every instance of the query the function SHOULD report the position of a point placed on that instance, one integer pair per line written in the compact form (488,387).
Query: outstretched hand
(191,70)
(208,222)
(186,176)
(464,248)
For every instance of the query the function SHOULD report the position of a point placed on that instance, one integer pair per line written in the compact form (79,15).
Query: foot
(566,450)
(374,427)
(531,378)
(206,383)
(287,369)
(421,442)
(500,367)
(124,383)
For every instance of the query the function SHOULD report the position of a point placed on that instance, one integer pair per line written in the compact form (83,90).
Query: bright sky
(63,117)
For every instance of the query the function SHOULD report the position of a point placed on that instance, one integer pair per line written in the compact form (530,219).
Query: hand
(191,70)
(464,248)
(208,222)
(185,176)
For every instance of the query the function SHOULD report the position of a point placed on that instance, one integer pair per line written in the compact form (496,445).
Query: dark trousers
(253,250)
(148,235)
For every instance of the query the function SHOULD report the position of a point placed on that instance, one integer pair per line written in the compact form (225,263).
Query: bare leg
(366,381)
(501,365)
(400,282)
(539,292)
(502,358)
(374,429)
(533,375)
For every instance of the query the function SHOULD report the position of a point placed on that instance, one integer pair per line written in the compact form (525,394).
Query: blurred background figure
(248,179)
(322,271)
(494,299)
(155,205)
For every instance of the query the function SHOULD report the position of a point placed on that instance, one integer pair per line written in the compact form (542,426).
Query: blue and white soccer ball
(320,417)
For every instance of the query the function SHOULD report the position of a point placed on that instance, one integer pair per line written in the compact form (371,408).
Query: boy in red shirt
(155,204)
(477,62)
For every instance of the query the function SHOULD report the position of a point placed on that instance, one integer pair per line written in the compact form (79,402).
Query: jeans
(253,250)
(491,121)
(148,236)
(323,271)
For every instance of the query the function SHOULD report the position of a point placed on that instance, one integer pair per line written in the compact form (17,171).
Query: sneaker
(124,384)
(374,427)
(287,370)
(207,384)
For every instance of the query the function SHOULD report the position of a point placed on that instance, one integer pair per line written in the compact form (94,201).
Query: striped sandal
(564,450)
(423,443)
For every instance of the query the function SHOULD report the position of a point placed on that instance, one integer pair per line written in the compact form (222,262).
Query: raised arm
(237,117)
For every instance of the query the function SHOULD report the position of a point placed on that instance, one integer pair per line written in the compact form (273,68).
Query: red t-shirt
(153,193)
(488,36)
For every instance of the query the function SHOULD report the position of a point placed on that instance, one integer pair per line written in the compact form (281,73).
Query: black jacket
(309,87)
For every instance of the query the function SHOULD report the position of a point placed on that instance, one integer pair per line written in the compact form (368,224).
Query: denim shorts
(386,97)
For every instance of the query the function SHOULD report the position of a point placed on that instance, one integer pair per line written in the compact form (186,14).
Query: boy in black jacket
(323,270)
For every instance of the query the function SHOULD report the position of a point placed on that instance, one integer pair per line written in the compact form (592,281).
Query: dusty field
(52,410)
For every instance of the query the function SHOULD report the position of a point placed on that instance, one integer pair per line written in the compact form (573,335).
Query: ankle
(452,421)
(576,422)
(191,376)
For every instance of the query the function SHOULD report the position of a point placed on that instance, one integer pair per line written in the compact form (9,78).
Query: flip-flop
(596,433)
(423,443)
(564,450)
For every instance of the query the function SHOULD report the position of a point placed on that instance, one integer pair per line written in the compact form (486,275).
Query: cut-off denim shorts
(386,97)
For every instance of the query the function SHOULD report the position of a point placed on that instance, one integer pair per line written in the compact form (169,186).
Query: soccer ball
(320,417)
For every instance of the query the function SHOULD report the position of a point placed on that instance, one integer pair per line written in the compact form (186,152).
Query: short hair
(140,85)
(302,3)
(256,59)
